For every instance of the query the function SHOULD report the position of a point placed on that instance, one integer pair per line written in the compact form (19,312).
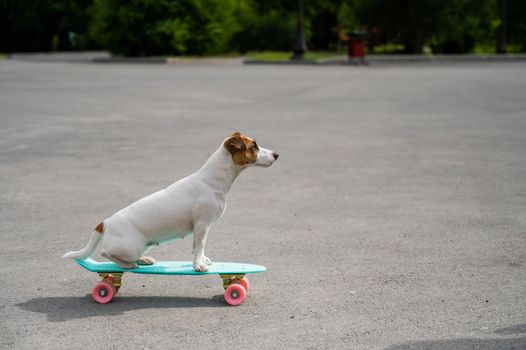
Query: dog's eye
(254,147)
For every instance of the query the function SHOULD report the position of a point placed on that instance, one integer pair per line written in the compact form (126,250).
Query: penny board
(174,268)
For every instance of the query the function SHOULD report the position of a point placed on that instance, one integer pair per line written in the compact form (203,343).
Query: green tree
(158,27)
(174,27)
(450,26)
(262,29)
(33,25)
(139,27)
(516,23)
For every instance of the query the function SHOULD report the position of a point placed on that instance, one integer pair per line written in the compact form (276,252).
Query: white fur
(186,207)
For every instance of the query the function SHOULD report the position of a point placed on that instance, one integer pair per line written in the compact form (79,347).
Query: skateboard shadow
(516,342)
(60,309)
(467,344)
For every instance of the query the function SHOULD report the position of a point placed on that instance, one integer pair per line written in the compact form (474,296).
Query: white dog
(188,206)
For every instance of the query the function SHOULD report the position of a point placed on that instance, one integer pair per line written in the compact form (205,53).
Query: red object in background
(356,48)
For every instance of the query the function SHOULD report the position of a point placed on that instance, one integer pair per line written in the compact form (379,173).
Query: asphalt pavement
(395,217)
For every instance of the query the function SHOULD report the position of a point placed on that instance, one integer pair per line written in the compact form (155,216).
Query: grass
(278,56)
(388,48)
(489,49)
(479,49)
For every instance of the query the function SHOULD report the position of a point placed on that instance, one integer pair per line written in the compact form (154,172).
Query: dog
(189,206)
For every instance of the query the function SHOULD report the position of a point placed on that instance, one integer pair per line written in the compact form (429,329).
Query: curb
(105,57)
(59,57)
(400,59)
(302,62)
(113,59)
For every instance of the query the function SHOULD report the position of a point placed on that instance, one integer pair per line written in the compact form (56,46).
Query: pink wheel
(245,283)
(103,292)
(235,294)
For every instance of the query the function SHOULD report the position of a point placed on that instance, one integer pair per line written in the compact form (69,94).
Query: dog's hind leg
(123,245)
(123,264)
(146,260)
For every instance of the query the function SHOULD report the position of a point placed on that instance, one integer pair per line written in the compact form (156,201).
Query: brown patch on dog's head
(243,149)
(100,228)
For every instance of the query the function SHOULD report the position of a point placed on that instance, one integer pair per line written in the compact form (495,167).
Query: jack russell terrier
(188,206)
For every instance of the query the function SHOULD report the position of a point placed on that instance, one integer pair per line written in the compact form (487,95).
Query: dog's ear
(235,143)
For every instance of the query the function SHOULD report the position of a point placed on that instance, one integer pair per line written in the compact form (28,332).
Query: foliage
(203,27)
(137,27)
(269,31)
(449,26)
(160,27)
(40,25)
(516,14)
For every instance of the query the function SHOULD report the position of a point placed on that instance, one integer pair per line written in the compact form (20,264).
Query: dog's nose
(275,155)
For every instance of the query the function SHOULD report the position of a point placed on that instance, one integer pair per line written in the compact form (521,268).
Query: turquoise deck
(173,268)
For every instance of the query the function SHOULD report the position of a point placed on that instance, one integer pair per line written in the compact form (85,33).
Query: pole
(300,47)
(502,44)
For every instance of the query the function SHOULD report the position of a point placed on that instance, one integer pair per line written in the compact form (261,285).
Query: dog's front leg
(201,262)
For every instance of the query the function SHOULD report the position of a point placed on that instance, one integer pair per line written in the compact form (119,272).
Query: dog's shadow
(60,309)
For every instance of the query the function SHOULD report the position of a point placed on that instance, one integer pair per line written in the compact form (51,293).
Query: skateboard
(235,282)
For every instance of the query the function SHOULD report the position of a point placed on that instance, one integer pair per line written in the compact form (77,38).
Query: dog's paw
(207,260)
(146,260)
(200,265)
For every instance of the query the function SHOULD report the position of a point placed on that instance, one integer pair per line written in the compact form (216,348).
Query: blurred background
(261,27)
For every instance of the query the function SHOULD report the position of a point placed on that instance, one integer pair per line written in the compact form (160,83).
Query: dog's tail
(85,252)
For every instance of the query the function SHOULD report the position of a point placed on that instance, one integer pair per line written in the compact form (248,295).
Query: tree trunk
(502,42)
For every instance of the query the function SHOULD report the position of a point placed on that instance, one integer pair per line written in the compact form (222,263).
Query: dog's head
(245,151)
